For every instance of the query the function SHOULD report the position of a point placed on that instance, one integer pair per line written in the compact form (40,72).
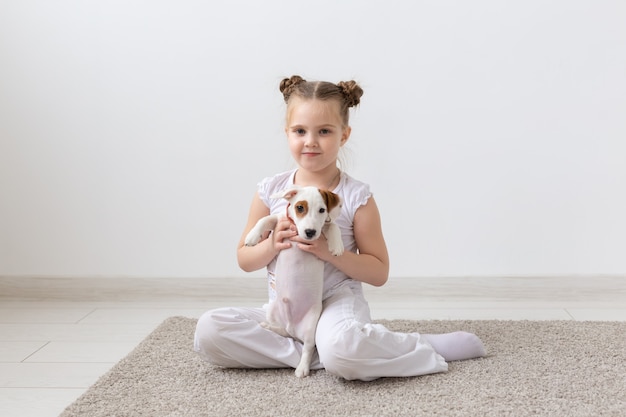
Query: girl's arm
(251,258)
(371,264)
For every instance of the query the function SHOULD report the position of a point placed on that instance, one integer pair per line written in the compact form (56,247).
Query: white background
(133,133)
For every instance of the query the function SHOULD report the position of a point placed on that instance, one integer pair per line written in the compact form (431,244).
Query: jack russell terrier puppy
(299,274)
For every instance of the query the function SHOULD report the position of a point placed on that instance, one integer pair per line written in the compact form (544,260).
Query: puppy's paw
(252,238)
(302,370)
(337,252)
(276,329)
(335,249)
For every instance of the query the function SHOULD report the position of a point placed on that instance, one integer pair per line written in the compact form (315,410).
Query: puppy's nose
(310,233)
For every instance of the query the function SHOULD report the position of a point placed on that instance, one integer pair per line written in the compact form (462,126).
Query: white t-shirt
(353,193)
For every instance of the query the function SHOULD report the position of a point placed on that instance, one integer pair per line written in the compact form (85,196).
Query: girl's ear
(346,134)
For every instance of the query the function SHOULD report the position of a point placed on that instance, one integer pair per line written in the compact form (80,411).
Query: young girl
(349,345)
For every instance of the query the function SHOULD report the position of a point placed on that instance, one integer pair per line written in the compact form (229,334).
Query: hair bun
(351,91)
(288,85)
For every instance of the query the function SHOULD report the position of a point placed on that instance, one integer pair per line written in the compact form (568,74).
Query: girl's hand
(318,247)
(283,232)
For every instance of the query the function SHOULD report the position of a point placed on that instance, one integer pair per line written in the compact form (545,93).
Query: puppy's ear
(333,204)
(286,194)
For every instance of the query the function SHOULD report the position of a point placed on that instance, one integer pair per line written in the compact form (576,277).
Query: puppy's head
(310,209)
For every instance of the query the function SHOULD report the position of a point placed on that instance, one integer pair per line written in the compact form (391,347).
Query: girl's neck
(326,180)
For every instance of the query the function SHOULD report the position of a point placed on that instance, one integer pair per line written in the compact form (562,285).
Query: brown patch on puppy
(330,199)
(301,208)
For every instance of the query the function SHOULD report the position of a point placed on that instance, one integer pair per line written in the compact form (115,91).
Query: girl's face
(315,133)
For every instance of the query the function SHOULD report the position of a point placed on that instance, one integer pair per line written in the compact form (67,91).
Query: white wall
(132,133)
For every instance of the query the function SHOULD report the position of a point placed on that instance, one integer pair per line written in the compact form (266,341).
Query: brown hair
(347,93)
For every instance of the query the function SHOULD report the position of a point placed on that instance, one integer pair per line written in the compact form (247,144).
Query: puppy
(299,274)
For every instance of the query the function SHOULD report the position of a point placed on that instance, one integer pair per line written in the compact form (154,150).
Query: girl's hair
(347,93)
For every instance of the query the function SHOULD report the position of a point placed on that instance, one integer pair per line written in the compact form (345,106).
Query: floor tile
(51,375)
(472,314)
(18,351)
(83,352)
(597,314)
(43,315)
(36,402)
(153,316)
(75,332)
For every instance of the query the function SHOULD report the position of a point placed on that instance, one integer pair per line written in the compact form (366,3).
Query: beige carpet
(548,368)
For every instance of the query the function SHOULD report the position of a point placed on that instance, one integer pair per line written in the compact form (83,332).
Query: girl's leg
(456,346)
(233,338)
(352,347)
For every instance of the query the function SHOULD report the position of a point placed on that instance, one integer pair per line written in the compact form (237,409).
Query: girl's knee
(339,355)
(207,337)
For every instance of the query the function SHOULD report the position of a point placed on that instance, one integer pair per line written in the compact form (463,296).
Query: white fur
(299,274)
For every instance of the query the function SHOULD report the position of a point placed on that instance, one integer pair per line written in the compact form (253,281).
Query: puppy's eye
(300,209)
(322,210)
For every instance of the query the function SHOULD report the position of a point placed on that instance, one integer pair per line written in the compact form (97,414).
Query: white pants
(348,344)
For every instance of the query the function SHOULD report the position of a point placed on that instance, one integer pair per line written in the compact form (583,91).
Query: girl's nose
(310,140)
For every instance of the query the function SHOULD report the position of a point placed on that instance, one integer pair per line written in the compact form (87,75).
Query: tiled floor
(57,336)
